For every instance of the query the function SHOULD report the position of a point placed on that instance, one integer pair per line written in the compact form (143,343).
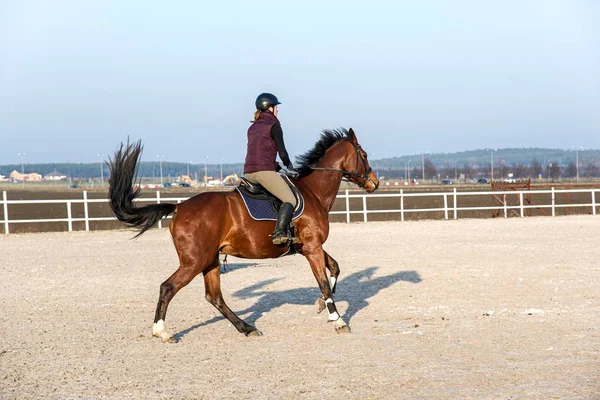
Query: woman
(265,140)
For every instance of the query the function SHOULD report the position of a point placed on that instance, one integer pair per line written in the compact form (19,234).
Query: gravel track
(506,308)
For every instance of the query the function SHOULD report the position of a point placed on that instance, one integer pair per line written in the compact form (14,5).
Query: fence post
(446,206)
(5,204)
(505,206)
(69,218)
(553,202)
(593,202)
(85,211)
(455,205)
(521,203)
(158,202)
(347,207)
(402,205)
(365,207)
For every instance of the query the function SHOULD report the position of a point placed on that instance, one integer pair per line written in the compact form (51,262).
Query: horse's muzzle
(372,183)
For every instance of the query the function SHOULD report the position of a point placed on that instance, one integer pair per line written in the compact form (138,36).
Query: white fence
(455,209)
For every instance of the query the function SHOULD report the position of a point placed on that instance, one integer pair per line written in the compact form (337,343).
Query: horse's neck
(325,184)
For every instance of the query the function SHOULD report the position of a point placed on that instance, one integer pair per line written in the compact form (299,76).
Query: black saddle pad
(263,206)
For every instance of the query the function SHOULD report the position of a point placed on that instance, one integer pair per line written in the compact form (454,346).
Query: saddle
(262,205)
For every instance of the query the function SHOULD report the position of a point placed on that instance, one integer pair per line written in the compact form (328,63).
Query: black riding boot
(284,216)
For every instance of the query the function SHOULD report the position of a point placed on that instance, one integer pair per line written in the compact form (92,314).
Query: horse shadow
(356,289)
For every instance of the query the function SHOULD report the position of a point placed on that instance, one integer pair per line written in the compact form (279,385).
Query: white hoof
(158,330)
(340,326)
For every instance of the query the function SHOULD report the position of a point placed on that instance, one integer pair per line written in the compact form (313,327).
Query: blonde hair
(256,115)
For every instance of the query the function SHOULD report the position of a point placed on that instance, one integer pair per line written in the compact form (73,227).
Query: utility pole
(101,156)
(577,164)
(423,164)
(22,168)
(492,162)
(221,169)
(160,158)
(455,172)
(206,171)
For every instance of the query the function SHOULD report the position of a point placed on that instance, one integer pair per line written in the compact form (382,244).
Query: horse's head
(338,151)
(356,165)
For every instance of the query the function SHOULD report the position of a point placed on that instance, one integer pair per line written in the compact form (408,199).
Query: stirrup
(283,239)
(280,239)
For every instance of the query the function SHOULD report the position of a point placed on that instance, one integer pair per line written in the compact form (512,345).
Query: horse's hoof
(320,303)
(341,327)
(169,339)
(255,332)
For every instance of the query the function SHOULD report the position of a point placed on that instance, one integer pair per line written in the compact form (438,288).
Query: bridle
(351,176)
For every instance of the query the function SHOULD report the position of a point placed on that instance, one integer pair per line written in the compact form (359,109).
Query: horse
(213,223)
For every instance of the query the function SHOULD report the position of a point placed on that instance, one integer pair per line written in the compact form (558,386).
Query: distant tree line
(146,169)
(522,163)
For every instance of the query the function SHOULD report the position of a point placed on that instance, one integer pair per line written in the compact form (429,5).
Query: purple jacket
(262,151)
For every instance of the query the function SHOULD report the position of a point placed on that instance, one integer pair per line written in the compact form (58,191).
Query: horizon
(569,154)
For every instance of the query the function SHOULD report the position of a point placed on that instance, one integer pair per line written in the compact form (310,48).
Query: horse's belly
(256,252)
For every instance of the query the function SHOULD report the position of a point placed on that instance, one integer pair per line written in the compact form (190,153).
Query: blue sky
(76,78)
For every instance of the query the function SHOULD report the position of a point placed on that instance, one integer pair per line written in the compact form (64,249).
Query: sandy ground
(483,309)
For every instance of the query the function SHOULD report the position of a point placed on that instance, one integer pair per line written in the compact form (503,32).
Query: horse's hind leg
(168,289)
(334,272)
(212,286)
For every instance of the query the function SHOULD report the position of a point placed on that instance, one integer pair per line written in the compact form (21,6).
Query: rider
(265,140)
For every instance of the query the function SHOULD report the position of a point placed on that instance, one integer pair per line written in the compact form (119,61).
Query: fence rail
(453,209)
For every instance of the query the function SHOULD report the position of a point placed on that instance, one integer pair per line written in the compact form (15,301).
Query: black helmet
(266,100)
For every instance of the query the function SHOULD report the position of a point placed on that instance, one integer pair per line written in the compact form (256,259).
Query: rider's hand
(290,166)
(293,173)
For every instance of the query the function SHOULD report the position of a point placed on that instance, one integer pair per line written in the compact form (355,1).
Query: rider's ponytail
(256,115)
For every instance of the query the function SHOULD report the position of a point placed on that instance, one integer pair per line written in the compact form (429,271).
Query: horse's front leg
(316,258)
(334,272)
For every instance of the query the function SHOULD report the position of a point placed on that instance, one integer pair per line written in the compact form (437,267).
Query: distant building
(55,176)
(3,178)
(32,177)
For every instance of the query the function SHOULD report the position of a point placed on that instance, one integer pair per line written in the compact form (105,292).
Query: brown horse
(212,223)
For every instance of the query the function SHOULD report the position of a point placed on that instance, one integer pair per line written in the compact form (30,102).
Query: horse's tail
(121,194)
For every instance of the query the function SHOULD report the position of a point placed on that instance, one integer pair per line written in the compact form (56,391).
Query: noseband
(352,176)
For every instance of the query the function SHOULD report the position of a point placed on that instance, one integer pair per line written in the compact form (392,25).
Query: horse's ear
(352,136)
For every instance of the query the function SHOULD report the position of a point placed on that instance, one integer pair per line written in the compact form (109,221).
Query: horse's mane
(328,138)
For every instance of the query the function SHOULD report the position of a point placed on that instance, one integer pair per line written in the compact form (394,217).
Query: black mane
(328,138)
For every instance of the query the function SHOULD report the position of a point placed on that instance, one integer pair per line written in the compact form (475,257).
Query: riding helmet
(266,100)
